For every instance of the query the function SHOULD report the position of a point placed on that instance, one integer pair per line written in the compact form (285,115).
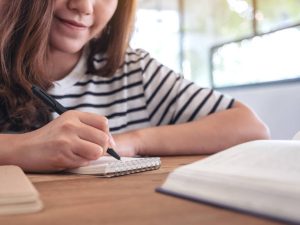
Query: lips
(72,23)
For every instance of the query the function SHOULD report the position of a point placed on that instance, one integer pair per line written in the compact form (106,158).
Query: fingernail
(112,141)
(100,150)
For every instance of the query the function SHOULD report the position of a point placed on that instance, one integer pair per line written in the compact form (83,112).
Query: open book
(108,166)
(260,177)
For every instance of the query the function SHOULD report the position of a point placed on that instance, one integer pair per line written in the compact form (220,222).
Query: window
(183,33)
(273,14)
(207,23)
(258,59)
(157,31)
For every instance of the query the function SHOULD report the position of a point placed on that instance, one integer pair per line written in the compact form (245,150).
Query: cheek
(103,14)
(113,6)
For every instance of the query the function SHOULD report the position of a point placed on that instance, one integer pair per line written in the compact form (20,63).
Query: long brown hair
(24,30)
(114,39)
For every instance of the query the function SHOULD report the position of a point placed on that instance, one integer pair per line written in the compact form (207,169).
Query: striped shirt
(142,93)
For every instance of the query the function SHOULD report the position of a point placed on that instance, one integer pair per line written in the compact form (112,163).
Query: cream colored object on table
(17,194)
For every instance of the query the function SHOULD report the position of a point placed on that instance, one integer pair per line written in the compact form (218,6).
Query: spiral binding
(119,168)
(134,166)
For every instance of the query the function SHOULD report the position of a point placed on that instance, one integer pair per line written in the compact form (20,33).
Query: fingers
(94,120)
(69,160)
(94,135)
(98,122)
(74,162)
(78,137)
(88,151)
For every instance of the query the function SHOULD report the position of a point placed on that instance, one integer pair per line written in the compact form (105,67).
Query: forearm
(207,135)
(9,145)
(18,149)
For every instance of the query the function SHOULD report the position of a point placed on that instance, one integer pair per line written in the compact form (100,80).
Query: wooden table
(78,199)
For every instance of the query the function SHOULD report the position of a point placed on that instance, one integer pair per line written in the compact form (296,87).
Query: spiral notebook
(108,166)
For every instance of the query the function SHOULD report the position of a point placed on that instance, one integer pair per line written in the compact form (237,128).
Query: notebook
(108,166)
(17,194)
(259,177)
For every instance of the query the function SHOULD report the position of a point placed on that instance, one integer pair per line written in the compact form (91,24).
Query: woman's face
(76,22)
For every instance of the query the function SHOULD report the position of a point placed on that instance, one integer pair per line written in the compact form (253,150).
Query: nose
(84,7)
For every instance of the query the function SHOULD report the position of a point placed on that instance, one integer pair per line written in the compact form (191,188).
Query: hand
(69,141)
(126,144)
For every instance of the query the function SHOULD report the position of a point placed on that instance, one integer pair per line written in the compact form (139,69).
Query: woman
(78,51)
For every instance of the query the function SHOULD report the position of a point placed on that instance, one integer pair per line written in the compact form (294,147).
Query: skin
(75,23)
(75,138)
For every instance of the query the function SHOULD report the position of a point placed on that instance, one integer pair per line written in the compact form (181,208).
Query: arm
(210,134)
(69,141)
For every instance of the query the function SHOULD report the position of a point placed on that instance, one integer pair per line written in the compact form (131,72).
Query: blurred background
(246,48)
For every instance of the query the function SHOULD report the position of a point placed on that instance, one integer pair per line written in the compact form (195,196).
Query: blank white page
(266,159)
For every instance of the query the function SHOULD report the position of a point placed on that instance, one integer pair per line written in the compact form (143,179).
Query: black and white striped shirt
(142,93)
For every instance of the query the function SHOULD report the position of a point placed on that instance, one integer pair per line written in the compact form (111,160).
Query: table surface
(130,199)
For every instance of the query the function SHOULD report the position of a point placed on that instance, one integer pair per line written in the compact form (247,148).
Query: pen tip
(113,153)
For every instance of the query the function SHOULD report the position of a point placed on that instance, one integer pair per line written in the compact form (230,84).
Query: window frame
(215,47)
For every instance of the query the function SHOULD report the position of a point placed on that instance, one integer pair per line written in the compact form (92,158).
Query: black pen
(57,107)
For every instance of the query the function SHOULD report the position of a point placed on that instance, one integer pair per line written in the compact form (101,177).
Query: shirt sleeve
(172,99)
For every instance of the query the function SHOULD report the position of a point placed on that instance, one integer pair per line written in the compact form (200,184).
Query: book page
(297,136)
(276,160)
(261,177)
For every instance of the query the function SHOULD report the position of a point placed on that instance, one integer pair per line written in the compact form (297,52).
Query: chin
(67,44)
(68,48)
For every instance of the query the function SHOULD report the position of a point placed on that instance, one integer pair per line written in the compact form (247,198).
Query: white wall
(278,105)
